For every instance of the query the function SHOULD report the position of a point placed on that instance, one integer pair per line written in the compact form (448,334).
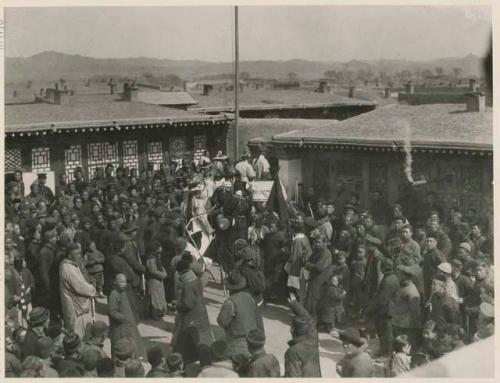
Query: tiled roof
(166,98)
(271,98)
(89,111)
(443,125)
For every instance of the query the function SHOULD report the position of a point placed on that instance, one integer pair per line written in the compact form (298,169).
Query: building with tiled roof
(58,134)
(281,103)
(451,147)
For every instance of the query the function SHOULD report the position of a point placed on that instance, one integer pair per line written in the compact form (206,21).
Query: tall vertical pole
(236,87)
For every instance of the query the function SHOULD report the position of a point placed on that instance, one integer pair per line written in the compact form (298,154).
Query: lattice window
(12,160)
(177,145)
(40,160)
(72,159)
(102,153)
(130,154)
(200,145)
(155,154)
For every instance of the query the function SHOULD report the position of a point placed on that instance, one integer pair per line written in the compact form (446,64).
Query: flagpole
(236,87)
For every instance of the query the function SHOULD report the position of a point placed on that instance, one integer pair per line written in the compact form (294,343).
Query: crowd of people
(146,243)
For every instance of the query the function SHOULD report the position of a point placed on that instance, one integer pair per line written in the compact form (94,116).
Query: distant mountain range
(50,66)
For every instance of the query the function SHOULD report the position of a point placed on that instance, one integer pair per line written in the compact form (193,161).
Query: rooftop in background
(270,98)
(441,125)
(166,98)
(91,110)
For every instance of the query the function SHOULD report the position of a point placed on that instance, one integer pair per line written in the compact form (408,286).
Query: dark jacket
(191,310)
(123,321)
(95,262)
(237,314)
(46,291)
(256,281)
(264,365)
(302,358)
(387,291)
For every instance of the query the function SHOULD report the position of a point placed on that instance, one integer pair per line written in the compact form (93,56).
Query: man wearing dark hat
(379,308)
(76,292)
(237,315)
(134,258)
(356,363)
(275,246)
(79,181)
(37,325)
(192,326)
(42,190)
(302,356)
(109,177)
(262,364)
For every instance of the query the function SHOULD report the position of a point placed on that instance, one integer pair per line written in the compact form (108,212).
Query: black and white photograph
(238,190)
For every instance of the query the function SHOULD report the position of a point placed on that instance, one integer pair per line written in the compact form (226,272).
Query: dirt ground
(277,320)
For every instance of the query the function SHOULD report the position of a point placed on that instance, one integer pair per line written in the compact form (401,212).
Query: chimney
(131,94)
(387,92)
(472,85)
(322,87)
(207,89)
(409,87)
(351,91)
(476,102)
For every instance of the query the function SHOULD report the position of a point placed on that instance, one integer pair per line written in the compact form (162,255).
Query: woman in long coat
(192,326)
(318,267)
(122,321)
(156,275)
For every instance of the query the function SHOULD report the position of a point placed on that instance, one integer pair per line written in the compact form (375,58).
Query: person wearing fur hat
(262,364)
(192,326)
(432,258)
(356,363)
(76,292)
(72,346)
(237,315)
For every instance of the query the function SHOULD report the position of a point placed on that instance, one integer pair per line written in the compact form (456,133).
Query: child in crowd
(95,267)
(358,267)
(332,307)
(400,361)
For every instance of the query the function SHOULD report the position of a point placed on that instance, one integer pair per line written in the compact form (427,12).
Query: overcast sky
(329,33)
